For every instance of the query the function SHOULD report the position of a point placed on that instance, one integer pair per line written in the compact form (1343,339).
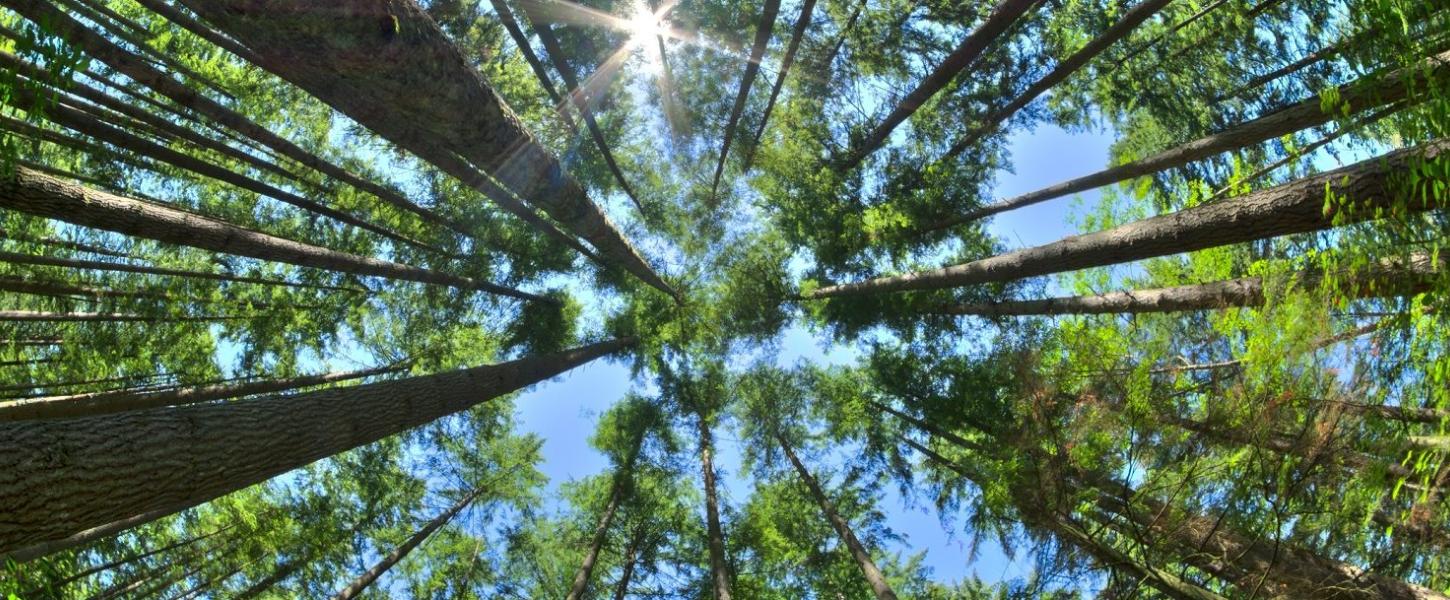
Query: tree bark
(73,263)
(719,576)
(1373,189)
(933,430)
(596,543)
(521,41)
(1125,26)
(858,551)
(1360,95)
(372,574)
(1003,15)
(381,59)
(83,537)
(30,316)
(631,556)
(796,35)
(90,405)
(130,559)
(58,478)
(34,193)
(752,68)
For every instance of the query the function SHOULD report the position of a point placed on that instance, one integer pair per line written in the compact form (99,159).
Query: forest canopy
(277,275)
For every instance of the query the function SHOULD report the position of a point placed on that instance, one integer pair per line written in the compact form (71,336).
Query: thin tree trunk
(130,559)
(386,562)
(31,316)
(278,575)
(719,577)
(132,66)
(752,68)
(631,556)
(580,584)
(1193,18)
(72,263)
(1406,414)
(46,196)
(1373,187)
(84,536)
(1125,26)
(90,405)
(1385,280)
(521,41)
(157,56)
(68,245)
(1360,95)
(58,478)
(933,430)
(1003,15)
(1314,454)
(1315,57)
(30,386)
(796,35)
(32,342)
(161,7)
(858,551)
(578,97)
(422,95)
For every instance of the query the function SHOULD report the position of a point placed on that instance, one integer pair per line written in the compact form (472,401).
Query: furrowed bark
(381,59)
(752,68)
(59,478)
(1386,280)
(1125,26)
(1003,15)
(71,263)
(1388,89)
(797,33)
(386,562)
(90,405)
(1372,187)
(873,575)
(132,66)
(34,193)
(719,577)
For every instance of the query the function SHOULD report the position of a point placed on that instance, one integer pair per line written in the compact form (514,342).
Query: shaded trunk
(42,195)
(129,35)
(33,316)
(1387,279)
(83,537)
(161,7)
(1374,188)
(631,556)
(64,384)
(1003,15)
(73,263)
(386,562)
(61,477)
(858,551)
(1360,95)
(1406,414)
(278,575)
(412,86)
(89,405)
(797,33)
(1175,28)
(580,585)
(935,431)
(67,244)
(1312,451)
(521,41)
(1129,22)
(130,559)
(752,68)
(719,576)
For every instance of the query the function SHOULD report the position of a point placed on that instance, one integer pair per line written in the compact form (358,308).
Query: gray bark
(580,585)
(752,68)
(786,61)
(719,577)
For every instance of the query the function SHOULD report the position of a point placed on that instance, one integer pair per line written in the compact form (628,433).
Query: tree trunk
(67,244)
(31,192)
(129,559)
(90,405)
(1193,18)
(752,68)
(137,69)
(521,41)
(601,531)
(631,556)
(1360,95)
(372,574)
(412,86)
(32,316)
(933,430)
(83,537)
(72,263)
(796,35)
(278,575)
(1386,279)
(58,478)
(161,7)
(32,342)
(719,576)
(1003,15)
(1406,414)
(1125,26)
(29,386)
(858,551)
(125,35)
(1374,188)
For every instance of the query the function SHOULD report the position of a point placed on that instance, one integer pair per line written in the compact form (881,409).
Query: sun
(643,25)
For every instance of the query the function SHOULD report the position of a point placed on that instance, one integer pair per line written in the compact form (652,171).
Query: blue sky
(563,412)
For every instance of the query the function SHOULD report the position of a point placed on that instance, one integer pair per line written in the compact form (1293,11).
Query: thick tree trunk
(90,405)
(580,585)
(58,478)
(409,84)
(386,562)
(747,79)
(715,534)
(1125,26)
(42,195)
(1385,280)
(72,263)
(858,550)
(1361,95)
(1003,15)
(786,60)
(137,69)
(1373,188)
